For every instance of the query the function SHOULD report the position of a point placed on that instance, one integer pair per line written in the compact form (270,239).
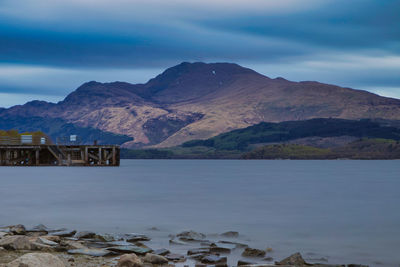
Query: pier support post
(114,157)
(37,157)
(86,156)
(100,152)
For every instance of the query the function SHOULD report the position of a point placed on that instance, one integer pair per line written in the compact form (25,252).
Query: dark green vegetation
(364,139)
(289,151)
(55,127)
(280,132)
(360,149)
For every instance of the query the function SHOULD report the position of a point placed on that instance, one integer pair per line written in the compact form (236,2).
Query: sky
(50,47)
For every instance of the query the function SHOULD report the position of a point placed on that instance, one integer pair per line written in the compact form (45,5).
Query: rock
(17,242)
(18,229)
(357,265)
(36,260)
(231,234)
(177,242)
(129,260)
(65,233)
(36,234)
(237,245)
(221,248)
(107,237)
(45,241)
(197,256)
(241,263)
(53,238)
(295,259)
(253,252)
(97,244)
(191,236)
(155,259)
(70,244)
(85,234)
(205,243)
(268,259)
(119,243)
(140,244)
(175,257)
(3,234)
(198,251)
(38,228)
(213,259)
(161,251)
(94,252)
(130,249)
(133,237)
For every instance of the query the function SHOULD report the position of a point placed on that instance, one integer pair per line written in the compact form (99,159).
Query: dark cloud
(80,35)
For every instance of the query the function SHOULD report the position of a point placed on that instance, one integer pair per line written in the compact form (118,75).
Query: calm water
(345,211)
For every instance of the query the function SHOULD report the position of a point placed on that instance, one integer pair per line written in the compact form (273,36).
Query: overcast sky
(49,47)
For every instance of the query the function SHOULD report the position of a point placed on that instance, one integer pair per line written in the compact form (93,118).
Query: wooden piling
(52,155)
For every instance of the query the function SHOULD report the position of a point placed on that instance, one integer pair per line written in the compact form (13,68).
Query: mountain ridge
(201,100)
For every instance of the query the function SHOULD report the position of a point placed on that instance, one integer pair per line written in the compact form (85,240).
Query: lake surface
(344,211)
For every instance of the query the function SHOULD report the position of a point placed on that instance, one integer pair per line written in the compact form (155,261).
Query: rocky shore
(44,247)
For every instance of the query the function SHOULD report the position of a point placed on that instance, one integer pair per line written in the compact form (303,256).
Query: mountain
(198,101)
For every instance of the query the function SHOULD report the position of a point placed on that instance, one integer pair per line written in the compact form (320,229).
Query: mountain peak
(186,80)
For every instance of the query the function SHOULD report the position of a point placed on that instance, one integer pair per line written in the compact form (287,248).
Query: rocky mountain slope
(198,101)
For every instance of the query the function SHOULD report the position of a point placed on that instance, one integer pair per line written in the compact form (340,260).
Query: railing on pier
(23,140)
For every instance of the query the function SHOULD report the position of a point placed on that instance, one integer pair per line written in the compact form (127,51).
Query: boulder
(175,257)
(65,233)
(134,237)
(237,244)
(17,242)
(85,234)
(191,236)
(230,234)
(198,251)
(155,259)
(213,259)
(107,237)
(129,260)
(3,234)
(119,243)
(71,244)
(295,259)
(38,228)
(94,252)
(221,248)
(37,259)
(161,251)
(253,252)
(177,242)
(242,262)
(18,229)
(130,249)
(45,241)
(53,238)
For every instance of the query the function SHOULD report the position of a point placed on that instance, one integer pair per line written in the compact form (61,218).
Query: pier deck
(59,155)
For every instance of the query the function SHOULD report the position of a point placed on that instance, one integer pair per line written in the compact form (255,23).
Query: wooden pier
(59,155)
